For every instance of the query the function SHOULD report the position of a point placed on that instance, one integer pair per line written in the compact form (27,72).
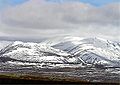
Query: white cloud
(38,18)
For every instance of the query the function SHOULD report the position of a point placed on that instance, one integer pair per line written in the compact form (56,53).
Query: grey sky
(41,19)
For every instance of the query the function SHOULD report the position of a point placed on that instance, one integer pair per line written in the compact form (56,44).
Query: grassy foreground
(11,78)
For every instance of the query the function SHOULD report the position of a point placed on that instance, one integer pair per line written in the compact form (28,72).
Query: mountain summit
(66,51)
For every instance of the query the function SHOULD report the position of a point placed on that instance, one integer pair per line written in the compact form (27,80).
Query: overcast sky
(50,18)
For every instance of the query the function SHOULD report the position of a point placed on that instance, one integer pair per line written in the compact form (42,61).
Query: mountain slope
(64,51)
(91,50)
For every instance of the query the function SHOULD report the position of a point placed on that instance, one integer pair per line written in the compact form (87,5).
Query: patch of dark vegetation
(60,75)
(46,80)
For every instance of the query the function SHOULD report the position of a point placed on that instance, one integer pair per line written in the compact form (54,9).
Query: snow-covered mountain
(4,44)
(92,50)
(64,51)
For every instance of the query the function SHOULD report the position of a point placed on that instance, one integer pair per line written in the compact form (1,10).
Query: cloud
(40,18)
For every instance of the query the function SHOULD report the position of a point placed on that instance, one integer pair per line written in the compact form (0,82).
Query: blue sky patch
(99,2)
(5,3)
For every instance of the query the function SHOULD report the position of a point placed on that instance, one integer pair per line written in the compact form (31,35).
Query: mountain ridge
(66,50)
